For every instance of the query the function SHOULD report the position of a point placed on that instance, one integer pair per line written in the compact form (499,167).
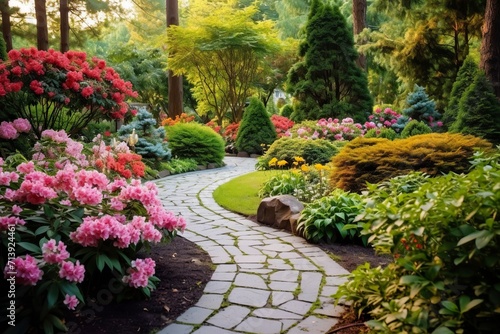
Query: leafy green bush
(387,133)
(177,166)
(306,184)
(374,160)
(256,129)
(325,218)
(195,141)
(414,128)
(313,151)
(445,239)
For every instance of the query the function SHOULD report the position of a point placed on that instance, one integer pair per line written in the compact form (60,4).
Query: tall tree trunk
(64,12)
(359,20)
(174,81)
(42,30)
(490,48)
(6,32)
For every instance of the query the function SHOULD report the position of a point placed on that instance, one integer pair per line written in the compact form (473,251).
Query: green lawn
(240,195)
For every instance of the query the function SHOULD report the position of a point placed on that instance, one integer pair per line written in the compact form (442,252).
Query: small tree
(151,139)
(327,82)
(465,77)
(420,107)
(479,111)
(256,129)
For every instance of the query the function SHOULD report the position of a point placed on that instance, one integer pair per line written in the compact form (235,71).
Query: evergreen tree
(327,82)
(479,111)
(256,129)
(464,79)
(420,107)
(150,142)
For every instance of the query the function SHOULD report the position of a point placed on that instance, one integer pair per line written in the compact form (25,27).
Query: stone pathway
(266,281)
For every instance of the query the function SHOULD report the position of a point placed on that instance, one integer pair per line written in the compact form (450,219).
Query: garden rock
(280,212)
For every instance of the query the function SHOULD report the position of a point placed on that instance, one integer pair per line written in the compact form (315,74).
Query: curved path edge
(266,281)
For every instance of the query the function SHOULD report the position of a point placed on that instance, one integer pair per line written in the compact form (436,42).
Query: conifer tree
(421,107)
(327,82)
(464,79)
(256,129)
(479,111)
(150,142)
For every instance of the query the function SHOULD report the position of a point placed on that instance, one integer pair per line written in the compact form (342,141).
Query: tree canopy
(220,50)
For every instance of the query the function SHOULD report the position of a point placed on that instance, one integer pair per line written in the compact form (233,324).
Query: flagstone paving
(266,281)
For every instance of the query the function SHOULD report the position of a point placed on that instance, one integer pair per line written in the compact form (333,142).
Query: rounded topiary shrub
(256,129)
(376,159)
(313,151)
(196,141)
(414,128)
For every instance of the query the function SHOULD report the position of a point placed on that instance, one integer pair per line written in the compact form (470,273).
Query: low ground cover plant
(72,218)
(443,233)
(307,183)
(326,218)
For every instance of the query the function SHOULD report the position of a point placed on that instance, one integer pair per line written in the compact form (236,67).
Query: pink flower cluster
(54,252)
(382,118)
(331,129)
(73,272)
(11,130)
(139,273)
(25,270)
(70,301)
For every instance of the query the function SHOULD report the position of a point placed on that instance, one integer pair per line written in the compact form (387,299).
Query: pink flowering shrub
(331,129)
(51,83)
(386,118)
(11,130)
(76,222)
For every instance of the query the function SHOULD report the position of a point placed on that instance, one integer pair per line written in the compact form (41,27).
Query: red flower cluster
(231,131)
(126,164)
(282,124)
(66,78)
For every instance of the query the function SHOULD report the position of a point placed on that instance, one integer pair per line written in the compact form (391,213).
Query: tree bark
(64,25)
(359,23)
(42,30)
(490,48)
(174,81)
(6,30)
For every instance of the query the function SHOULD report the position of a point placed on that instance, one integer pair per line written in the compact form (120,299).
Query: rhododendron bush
(77,215)
(55,90)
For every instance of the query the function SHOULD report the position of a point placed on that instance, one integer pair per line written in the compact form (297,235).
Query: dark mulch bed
(184,270)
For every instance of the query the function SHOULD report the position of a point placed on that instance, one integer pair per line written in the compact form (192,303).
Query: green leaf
(48,328)
(99,261)
(469,237)
(30,247)
(450,306)
(57,322)
(484,239)
(52,295)
(466,304)
(442,330)
(42,229)
(70,289)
